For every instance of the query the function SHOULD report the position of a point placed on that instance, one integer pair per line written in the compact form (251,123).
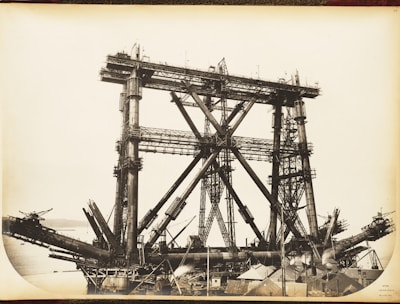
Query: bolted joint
(228,139)
(156,232)
(134,87)
(117,171)
(303,149)
(122,100)
(118,146)
(222,141)
(134,133)
(132,164)
(300,110)
(205,150)
(309,174)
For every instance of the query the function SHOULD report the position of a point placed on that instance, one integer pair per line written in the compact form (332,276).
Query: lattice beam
(179,142)
(169,78)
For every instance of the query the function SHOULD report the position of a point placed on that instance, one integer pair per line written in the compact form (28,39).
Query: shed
(257,272)
(291,274)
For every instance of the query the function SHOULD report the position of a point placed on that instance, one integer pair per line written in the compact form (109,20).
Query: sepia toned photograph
(200,152)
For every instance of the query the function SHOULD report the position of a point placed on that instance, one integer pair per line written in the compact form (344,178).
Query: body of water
(33,263)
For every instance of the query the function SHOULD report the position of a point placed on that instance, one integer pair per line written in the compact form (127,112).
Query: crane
(35,216)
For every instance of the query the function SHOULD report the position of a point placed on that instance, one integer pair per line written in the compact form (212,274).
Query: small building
(216,282)
(291,274)
(257,272)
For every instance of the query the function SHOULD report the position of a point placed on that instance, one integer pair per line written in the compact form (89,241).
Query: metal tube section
(308,186)
(203,188)
(180,204)
(241,117)
(200,174)
(202,211)
(150,216)
(274,203)
(205,110)
(331,227)
(118,174)
(232,115)
(268,257)
(131,249)
(118,212)
(275,173)
(185,114)
(350,242)
(103,225)
(94,226)
(133,95)
(243,210)
(283,254)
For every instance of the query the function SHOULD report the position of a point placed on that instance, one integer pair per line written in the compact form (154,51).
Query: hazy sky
(60,122)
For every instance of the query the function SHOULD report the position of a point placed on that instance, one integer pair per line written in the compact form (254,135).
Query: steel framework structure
(210,91)
(120,260)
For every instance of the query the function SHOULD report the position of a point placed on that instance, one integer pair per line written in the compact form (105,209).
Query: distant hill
(64,223)
(60,223)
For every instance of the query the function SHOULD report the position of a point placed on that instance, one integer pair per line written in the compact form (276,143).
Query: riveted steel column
(300,117)
(118,172)
(118,210)
(277,126)
(134,94)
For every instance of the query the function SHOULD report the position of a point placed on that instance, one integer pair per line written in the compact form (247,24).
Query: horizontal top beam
(170,78)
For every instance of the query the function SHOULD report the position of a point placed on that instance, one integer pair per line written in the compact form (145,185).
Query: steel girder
(169,78)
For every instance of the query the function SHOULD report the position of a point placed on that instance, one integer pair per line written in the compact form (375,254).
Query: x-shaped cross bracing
(224,134)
